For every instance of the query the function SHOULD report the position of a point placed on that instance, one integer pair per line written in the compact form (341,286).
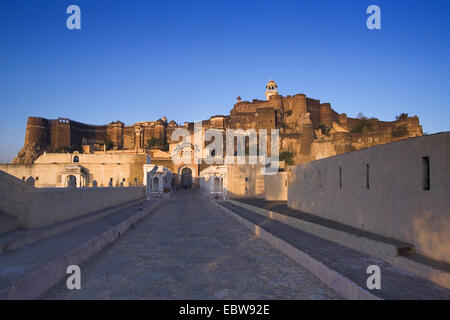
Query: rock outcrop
(28,154)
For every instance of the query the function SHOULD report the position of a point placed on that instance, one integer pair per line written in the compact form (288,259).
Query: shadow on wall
(36,207)
(398,190)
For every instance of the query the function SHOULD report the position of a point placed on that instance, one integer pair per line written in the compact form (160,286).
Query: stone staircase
(32,261)
(259,186)
(18,237)
(394,252)
(328,255)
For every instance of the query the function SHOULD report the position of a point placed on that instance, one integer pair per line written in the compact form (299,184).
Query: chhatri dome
(271,89)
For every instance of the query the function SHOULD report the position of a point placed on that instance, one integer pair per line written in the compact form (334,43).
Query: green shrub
(325,130)
(364,123)
(109,144)
(153,143)
(287,157)
(401,116)
(400,131)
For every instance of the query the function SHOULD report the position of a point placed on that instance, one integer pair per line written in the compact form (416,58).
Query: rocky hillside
(28,154)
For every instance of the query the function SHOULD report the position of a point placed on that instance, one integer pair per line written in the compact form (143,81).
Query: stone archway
(186,177)
(217,187)
(71,181)
(155,184)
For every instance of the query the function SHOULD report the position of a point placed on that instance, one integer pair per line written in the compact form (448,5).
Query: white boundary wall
(275,187)
(394,203)
(36,207)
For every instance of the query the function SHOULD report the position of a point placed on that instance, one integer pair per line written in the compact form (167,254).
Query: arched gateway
(186,177)
(71,181)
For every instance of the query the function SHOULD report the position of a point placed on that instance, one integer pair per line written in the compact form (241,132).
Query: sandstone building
(309,130)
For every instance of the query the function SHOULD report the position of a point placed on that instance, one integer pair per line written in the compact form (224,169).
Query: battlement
(63,120)
(37,121)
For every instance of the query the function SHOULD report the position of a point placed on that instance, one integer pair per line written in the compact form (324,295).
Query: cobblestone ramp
(29,271)
(189,249)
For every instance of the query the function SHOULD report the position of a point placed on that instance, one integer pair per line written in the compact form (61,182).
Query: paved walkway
(188,249)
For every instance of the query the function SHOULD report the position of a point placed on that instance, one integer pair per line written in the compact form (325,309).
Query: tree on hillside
(401,116)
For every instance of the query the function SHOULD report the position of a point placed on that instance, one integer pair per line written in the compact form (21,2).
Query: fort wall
(276,187)
(241,180)
(398,190)
(313,107)
(48,171)
(325,113)
(37,131)
(40,207)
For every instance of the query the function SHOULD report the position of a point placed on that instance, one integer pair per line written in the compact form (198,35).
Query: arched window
(76,159)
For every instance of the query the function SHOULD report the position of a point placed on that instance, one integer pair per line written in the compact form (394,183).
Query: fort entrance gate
(186,177)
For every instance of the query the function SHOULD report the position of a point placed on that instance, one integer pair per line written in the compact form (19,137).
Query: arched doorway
(155,184)
(71,181)
(217,185)
(186,178)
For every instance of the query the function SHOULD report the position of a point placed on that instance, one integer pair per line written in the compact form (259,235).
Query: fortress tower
(271,89)
(37,131)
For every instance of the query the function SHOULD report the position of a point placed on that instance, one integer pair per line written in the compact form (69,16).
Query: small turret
(271,89)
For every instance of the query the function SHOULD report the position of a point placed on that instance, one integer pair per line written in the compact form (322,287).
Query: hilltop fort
(309,130)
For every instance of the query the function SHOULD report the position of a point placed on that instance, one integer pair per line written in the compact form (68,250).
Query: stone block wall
(39,207)
(398,190)
(276,186)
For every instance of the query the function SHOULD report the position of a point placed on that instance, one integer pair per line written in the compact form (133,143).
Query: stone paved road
(189,249)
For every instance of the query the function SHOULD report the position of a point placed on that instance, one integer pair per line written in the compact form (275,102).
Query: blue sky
(188,60)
